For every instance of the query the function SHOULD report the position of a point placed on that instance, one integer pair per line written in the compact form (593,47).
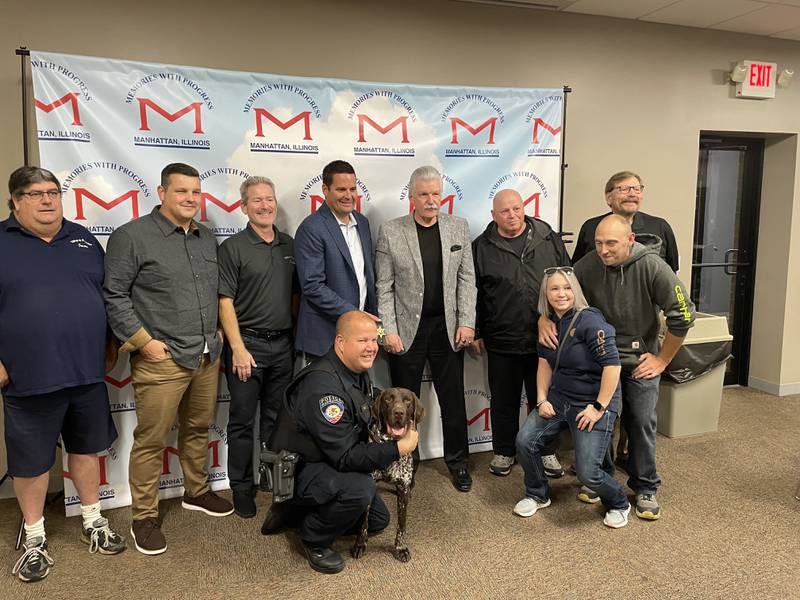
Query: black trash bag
(694,360)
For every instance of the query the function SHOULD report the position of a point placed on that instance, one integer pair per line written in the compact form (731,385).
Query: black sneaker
(323,560)
(244,503)
(101,538)
(35,562)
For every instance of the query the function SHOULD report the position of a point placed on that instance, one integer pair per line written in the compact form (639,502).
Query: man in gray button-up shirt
(161,296)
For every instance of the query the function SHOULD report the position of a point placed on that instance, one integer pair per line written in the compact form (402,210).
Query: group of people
(179,305)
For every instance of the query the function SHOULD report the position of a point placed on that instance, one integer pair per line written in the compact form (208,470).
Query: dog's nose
(399,414)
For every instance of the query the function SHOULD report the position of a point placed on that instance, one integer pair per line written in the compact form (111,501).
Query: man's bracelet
(538,404)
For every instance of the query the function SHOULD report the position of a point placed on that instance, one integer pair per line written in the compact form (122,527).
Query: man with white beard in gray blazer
(425,278)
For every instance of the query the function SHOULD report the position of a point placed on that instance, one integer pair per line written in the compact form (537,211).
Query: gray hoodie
(630,296)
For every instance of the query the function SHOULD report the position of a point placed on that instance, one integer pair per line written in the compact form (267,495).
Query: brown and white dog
(393,412)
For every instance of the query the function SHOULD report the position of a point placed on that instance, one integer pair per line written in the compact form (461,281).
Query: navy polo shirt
(52,316)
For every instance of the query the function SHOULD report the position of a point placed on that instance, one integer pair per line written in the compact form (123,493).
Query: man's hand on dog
(407,443)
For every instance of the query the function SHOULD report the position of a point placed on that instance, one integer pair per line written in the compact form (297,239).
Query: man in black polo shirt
(53,359)
(256,282)
(624,194)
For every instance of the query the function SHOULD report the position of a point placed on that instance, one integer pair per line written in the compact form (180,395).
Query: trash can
(692,406)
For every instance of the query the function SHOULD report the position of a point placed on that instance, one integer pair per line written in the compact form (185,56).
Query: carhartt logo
(601,342)
(683,307)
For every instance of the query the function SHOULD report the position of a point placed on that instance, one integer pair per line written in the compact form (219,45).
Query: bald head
(613,240)
(509,213)
(356,342)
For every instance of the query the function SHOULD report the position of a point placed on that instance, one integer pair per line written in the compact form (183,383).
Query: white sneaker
(617,518)
(527,507)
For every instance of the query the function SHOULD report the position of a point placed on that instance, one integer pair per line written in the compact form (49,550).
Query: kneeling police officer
(325,419)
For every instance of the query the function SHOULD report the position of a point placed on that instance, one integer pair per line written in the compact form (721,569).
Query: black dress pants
(432,344)
(264,389)
(507,374)
(328,503)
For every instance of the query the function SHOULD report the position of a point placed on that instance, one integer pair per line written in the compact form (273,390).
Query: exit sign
(759,80)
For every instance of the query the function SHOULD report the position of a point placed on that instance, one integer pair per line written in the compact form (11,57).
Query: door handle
(730,265)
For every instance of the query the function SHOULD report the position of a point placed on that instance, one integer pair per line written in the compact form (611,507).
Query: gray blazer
(399,278)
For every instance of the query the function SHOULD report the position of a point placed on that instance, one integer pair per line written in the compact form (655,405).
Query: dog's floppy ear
(377,407)
(419,410)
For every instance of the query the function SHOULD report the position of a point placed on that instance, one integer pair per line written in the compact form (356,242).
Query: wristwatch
(598,407)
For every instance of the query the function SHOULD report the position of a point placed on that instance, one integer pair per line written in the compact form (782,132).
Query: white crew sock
(90,514)
(35,530)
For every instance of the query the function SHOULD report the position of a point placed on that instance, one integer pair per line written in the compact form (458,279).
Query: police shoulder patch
(332,408)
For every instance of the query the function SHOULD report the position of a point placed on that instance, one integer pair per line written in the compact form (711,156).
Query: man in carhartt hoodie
(628,281)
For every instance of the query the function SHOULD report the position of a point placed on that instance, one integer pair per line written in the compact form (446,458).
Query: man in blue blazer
(333,250)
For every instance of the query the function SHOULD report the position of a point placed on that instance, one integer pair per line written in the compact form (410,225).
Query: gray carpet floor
(730,529)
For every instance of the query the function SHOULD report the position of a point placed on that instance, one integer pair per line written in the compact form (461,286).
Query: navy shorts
(81,415)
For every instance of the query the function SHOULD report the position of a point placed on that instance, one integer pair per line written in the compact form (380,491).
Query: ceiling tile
(702,13)
(626,9)
(773,18)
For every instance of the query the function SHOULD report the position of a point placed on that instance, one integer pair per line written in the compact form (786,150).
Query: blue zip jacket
(589,347)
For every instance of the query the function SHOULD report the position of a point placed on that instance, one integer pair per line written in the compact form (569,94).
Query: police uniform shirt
(337,418)
(260,277)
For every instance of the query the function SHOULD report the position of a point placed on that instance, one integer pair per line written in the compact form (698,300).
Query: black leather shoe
(275,521)
(462,480)
(323,560)
(244,503)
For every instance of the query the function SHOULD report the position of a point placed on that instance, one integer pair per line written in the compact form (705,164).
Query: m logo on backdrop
(380,131)
(479,422)
(285,126)
(472,135)
(451,193)
(170,106)
(58,107)
(107,195)
(544,118)
(107,490)
(220,199)
(312,194)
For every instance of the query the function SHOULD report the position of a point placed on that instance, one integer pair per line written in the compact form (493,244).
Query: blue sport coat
(328,278)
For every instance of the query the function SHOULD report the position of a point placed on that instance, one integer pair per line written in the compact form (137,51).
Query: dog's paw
(402,554)
(358,550)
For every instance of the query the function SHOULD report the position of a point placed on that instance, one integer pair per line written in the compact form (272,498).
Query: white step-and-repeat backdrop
(107,127)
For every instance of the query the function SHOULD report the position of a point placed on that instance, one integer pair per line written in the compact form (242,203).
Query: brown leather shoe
(209,503)
(147,536)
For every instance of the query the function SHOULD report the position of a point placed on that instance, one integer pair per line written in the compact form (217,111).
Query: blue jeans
(639,399)
(591,448)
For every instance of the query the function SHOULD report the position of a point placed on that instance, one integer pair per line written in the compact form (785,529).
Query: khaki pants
(164,390)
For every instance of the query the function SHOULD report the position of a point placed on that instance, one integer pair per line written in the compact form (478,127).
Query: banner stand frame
(22,52)
(564,165)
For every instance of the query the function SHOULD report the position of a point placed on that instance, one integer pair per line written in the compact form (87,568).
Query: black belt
(266,334)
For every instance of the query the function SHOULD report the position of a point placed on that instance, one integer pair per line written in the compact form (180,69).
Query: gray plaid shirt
(162,283)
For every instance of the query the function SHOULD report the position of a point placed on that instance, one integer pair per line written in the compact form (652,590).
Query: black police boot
(244,503)
(323,560)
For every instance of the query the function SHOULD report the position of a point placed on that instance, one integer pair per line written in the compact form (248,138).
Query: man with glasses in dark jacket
(510,258)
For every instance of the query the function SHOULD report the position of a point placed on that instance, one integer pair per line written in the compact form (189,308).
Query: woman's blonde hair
(580,300)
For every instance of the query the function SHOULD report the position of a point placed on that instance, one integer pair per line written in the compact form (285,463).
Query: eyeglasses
(38,195)
(551,270)
(636,189)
